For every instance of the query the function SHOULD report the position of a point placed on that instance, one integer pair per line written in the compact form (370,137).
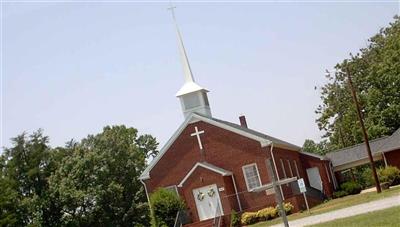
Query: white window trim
(290,168)
(297,170)
(244,174)
(283,168)
(327,173)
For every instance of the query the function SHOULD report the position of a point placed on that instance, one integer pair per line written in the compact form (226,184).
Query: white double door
(207,201)
(314,178)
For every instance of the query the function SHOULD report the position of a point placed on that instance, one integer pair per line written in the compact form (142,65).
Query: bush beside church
(265,214)
(165,205)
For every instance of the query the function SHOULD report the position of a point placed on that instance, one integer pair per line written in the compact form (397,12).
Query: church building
(215,166)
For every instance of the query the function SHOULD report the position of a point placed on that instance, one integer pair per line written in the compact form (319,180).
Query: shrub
(249,218)
(288,207)
(367,177)
(164,206)
(351,187)
(390,174)
(267,213)
(235,219)
(339,194)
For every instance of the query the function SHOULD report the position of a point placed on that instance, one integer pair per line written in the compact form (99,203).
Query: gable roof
(358,151)
(313,155)
(270,138)
(208,166)
(392,143)
(264,139)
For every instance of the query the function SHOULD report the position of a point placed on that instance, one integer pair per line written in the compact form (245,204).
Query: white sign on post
(303,190)
(302,185)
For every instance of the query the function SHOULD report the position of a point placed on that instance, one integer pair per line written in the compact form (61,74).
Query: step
(205,223)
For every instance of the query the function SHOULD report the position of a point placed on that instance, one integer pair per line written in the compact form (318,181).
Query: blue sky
(72,68)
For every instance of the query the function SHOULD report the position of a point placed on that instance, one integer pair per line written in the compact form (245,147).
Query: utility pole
(360,118)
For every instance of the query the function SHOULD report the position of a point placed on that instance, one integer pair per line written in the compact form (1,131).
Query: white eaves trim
(194,118)
(189,87)
(314,155)
(206,166)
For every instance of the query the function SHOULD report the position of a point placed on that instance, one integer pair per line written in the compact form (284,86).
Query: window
(251,176)
(205,99)
(283,169)
(191,101)
(290,168)
(297,170)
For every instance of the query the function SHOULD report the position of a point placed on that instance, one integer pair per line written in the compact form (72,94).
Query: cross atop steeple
(193,97)
(185,61)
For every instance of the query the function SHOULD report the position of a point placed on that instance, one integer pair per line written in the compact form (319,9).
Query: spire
(192,96)
(185,61)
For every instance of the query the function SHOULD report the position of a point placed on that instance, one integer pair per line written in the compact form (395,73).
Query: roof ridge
(359,144)
(254,131)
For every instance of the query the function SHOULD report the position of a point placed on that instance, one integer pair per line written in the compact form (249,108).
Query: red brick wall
(292,156)
(226,150)
(222,148)
(393,158)
(326,176)
(203,177)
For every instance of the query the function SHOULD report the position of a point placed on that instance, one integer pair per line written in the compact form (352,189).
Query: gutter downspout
(384,159)
(335,184)
(147,195)
(327,173)
(236,192)
(276,170)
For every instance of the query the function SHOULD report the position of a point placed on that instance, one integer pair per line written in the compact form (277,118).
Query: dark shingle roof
(259,134)
(359,152)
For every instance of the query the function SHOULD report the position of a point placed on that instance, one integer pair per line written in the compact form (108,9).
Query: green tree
(316,148)
(98,184)
(376,74)
(165,205)
(25,169)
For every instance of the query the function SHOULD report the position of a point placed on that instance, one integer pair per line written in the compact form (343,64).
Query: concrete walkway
(347,212)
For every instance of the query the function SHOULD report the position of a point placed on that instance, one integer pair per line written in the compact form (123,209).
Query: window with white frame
(297,170)
(290,168)
(251,176)
(283,169)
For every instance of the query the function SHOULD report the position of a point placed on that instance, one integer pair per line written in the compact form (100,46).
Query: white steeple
(193,97)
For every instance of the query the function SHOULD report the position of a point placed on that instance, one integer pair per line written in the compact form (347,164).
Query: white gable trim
(313,155)
(207,166)
(146,173)
(264,142)
(191,119)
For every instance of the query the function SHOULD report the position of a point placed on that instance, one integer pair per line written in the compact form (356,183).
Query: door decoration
(207,201)
(211,192)
(200,196)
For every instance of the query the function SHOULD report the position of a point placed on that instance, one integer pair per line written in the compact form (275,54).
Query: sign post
(275,186)
(303,190)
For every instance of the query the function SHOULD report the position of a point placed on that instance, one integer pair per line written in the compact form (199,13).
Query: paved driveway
(347,212)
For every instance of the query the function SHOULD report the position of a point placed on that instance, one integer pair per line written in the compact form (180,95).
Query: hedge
(267,213)
(390,174)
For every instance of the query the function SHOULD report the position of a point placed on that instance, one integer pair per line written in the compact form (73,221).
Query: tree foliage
(375,71)
(316,148)
(94,182)
(26,168)
(165,205)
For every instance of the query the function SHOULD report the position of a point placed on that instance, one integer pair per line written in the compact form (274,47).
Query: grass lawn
(386,217)
(336,204)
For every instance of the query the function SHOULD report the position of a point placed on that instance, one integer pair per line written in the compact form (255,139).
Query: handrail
(217,217)
(178,222)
